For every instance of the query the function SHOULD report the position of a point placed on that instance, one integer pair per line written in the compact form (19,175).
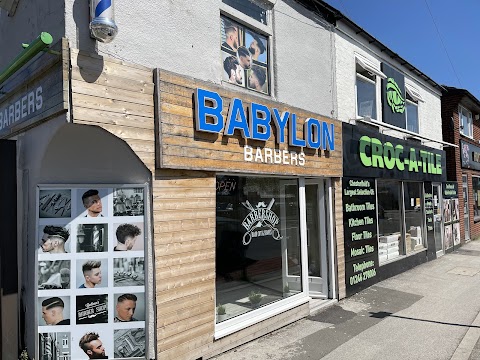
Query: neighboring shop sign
(470,155)
(239,132)
(34,94)
(451,214)
(393,97)
(91,272)
(369,153)
(360,233)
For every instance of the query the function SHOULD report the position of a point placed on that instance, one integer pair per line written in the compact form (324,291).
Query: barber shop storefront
(265,174)
(391,201)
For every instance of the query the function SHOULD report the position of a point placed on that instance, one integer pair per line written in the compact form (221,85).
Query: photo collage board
(91,300)
(244,56)
(451,215)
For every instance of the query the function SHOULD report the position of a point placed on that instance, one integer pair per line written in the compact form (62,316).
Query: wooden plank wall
(184,216)
(117,97)
(342,292)
(182,147)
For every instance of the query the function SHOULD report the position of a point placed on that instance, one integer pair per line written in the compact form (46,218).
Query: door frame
(466,218)
(326,219)
(439,187)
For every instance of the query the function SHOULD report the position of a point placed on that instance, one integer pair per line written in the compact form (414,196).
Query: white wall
(30,19)
(346,44)
(184,37)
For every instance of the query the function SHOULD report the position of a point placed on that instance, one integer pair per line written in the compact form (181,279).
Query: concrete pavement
(429,312)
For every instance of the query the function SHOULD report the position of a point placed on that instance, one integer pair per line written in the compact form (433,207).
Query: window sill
(402,257)
(466,136)
(253,317)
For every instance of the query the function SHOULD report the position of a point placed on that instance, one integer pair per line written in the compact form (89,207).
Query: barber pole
(102,20)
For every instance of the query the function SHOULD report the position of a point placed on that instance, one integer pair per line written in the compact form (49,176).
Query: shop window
(466,124)
(245,56)
(476,198)
(390,238)
(366,88)
(414,216)
(257,243)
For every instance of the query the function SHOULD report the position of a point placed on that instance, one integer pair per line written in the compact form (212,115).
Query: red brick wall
(451,134)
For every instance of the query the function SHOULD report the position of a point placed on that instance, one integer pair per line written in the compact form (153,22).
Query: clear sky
(407,27)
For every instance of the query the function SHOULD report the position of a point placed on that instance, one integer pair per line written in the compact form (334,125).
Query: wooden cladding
(180,146)
(117,97)
(37,93)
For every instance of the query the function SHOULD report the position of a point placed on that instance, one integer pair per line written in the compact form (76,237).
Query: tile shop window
(399,204)
(257,222)
(245,55)
(466,124)
(414,216)
(366,87)
(476,198)
(390,239)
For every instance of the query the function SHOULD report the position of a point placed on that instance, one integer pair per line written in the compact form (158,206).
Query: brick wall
(451,134)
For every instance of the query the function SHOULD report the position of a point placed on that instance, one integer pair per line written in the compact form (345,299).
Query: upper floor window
(466,123)
(249,8)
(366,87)
(245,37)
(413,99)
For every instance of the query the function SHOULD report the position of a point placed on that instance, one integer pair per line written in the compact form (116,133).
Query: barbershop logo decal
(260,217)
(394,97)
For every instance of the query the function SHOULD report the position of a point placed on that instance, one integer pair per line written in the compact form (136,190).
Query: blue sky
(407,28)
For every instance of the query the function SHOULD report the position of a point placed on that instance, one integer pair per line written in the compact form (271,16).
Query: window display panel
(390,240)
(91,272)
(257,243)
(476,198)
(414,218)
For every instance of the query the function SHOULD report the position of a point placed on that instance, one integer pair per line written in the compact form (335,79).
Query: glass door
(437,218)
(466,217)
(316,238)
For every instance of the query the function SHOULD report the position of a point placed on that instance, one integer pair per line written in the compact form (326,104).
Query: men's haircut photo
(54,310)
(54,239)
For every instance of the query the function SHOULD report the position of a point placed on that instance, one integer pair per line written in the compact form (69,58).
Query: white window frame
(375,71)
(262,29)
(469,122)
(413,92)
(253,317)
(406,113)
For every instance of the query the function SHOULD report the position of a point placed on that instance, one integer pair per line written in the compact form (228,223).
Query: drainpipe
(37,45)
